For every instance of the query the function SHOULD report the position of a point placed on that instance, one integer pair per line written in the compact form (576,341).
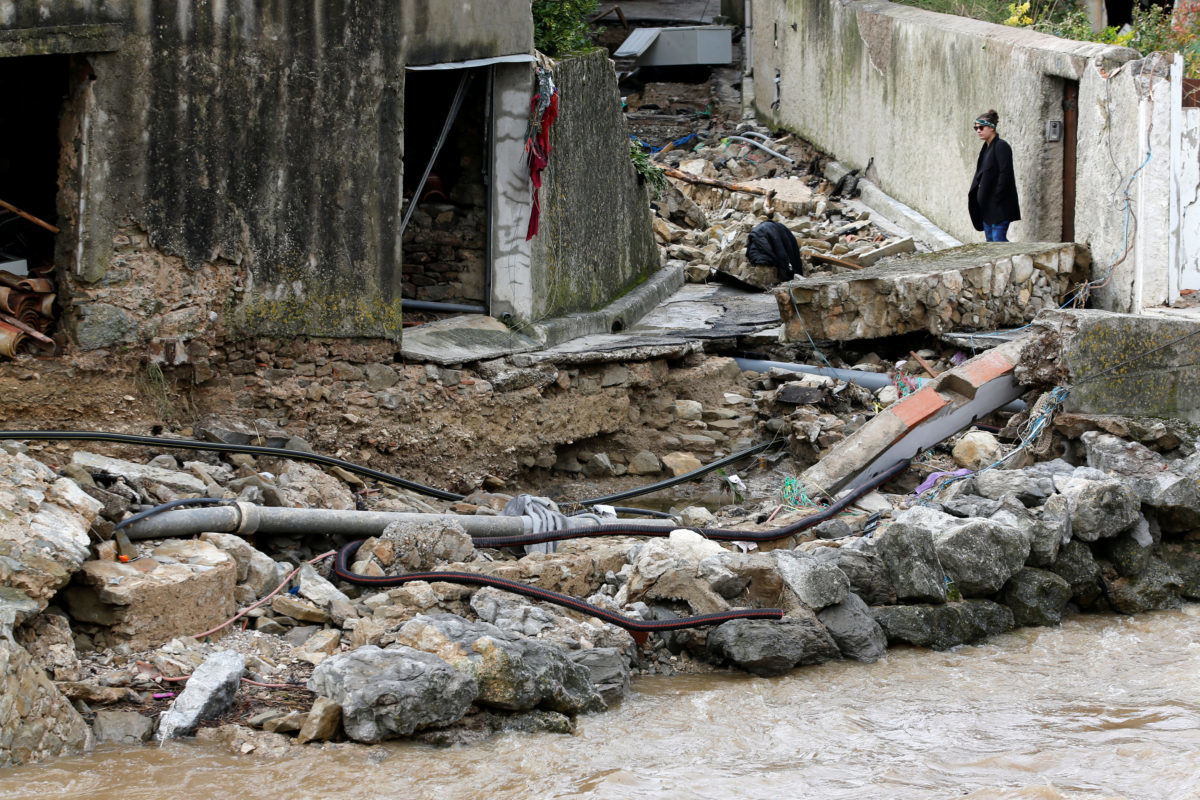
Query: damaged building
(180,174)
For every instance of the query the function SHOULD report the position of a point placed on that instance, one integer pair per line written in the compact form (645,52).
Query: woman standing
(992,201)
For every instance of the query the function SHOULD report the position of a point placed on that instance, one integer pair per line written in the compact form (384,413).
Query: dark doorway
(446,241)
(1070,143)
(32,92)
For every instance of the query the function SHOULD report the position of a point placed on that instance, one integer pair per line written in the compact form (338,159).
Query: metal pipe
(247,518)
(870,380)
(431,305)
(762,146)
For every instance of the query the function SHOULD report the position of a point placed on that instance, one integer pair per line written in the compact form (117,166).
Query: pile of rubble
(119,641)
(728,183)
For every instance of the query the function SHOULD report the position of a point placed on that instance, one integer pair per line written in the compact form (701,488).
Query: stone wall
(897,88)
(596,237)
(262,136)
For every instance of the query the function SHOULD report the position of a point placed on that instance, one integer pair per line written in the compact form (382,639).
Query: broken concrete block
(976,286)
(183,587)
(1069,345)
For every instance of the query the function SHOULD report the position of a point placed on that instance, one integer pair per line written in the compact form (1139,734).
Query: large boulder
(1100,507)
(856,632)
(209,694)
(1036,597)
(980,555)
(608,669)
(941,627)
(1184,560)
(816,583)
(863,567)
(513,673)
(667,569)
(906,547)
(1173,495)
(1156,587)
(1049,528)
(752,578)
(388,693)
(36,720)
(772,647)
(1077,566)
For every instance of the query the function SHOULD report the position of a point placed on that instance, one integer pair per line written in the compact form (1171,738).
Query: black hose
(316,458)
(635,512)
(183,501)
(343,570)
(637,626)
(687,476)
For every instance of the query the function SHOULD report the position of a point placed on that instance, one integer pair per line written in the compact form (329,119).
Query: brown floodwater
(1103,707)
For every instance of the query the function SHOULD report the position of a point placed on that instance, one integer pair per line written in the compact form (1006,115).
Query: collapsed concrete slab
(1134,365)
(941,408)
(977,286)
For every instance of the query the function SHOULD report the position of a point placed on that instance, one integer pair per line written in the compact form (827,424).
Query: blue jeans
(995,231)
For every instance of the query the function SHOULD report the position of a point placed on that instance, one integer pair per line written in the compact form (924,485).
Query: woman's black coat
(993,196)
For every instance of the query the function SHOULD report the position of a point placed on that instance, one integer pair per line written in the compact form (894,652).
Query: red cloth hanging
(538,147)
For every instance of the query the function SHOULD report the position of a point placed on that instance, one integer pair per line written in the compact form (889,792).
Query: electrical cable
(183,501)
(687,476)
(316,458)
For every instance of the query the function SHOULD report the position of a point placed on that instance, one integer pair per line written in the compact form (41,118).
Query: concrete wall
(596,238)
(901,86)
(239,163)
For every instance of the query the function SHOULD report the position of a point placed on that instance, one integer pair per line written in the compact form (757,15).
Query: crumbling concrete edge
(895,212)
(620,315)
(947,404)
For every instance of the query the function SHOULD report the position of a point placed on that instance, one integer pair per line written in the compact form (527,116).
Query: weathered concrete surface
(579,261)
(975,286)
(1133,365)
(891,59)
(199,173)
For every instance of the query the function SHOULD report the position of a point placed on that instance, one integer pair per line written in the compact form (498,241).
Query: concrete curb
(891,209)
(617,316)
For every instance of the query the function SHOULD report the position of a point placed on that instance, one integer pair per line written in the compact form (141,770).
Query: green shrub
(649,172)
(560,27)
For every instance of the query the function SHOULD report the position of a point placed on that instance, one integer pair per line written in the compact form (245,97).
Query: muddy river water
(1103,707)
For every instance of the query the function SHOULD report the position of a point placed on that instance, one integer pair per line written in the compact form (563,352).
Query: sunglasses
(979,127)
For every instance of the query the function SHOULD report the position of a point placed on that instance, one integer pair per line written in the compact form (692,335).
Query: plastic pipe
(761,146)
(871,380)
(246,518)
(431,305)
